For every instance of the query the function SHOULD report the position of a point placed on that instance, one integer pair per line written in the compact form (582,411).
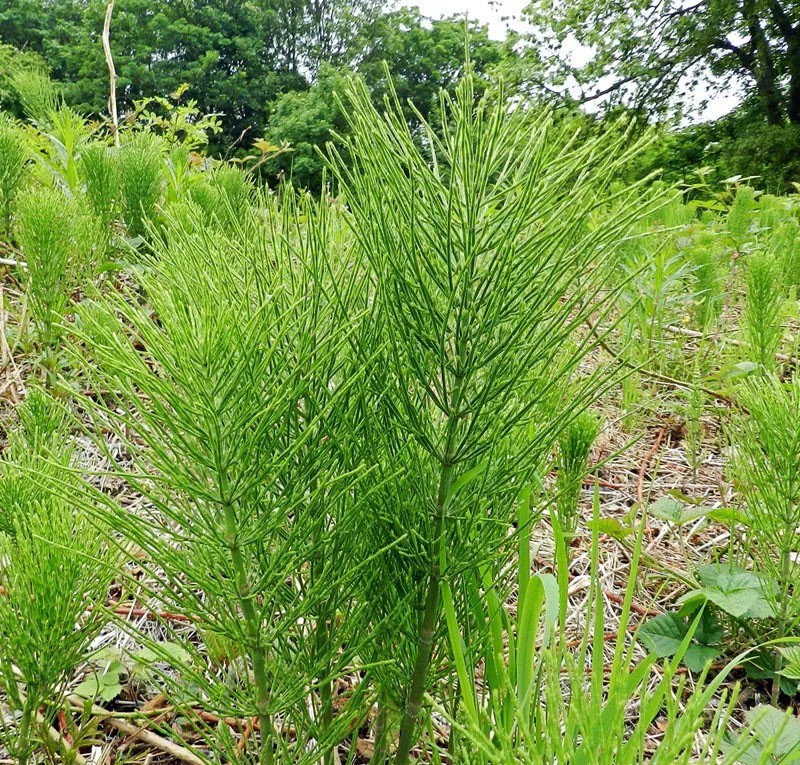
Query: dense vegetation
(484,450)
(268,69)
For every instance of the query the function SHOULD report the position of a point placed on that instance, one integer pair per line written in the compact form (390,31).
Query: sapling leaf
(777,729)
(663,634)
(675,511)
(614,528)
(790,667)
(734,590)
(105,684)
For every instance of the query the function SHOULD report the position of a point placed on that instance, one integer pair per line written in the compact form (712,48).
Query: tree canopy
(649,54)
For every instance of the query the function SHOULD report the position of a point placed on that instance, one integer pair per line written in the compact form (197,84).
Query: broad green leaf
(781,729)
(105,684)
(697,656)
(675,511)
(791,662)
(663,634)
(614,528)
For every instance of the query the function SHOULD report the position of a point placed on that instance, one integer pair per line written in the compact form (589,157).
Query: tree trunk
(793,60)
(764,70)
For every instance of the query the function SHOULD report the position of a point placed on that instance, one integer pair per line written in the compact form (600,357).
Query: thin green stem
(252,623)
(430,619)
(786,564)
(380,734)
(24,732)
(432,608)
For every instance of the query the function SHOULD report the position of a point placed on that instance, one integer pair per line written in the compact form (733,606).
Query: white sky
(499,14)
(491,12)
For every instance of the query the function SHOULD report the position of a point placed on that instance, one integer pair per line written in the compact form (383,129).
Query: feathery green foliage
(574,446)
(485,264)
(140,168)
(767,464)
(223,388)
(57,241)
(13,158)
(763,312)
(54,573)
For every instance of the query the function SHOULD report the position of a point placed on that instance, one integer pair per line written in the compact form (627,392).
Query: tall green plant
(766,448)
(55,570)
(763,310)
(574,446)
(224,389)
(13,158)
(485,264)
(140,168)
(54,240)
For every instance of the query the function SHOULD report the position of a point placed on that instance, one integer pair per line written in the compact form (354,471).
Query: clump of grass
(54,574)
(13,158)
(141,174)
(763,310)
(540,700)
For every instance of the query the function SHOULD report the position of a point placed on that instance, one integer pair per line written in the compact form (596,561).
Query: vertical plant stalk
(112,73)
(786,567)
(252,626)
(433,597)
(380,733)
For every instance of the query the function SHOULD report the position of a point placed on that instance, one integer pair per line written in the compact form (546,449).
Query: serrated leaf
(675,511)
(105,684)
(791,662)
(613,527)
(709,630)
(772,725)
(663,634)
(171,653)
(697,656)
(736,591)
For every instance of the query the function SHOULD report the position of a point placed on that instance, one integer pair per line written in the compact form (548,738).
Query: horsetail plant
(485,265)
(55,571)
(57,238)
(13,158)
(763,311)
(766,461)
(574,446)
(141,172)
(223,390)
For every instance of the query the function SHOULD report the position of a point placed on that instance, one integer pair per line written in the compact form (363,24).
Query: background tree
(424,54)
(649,54)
